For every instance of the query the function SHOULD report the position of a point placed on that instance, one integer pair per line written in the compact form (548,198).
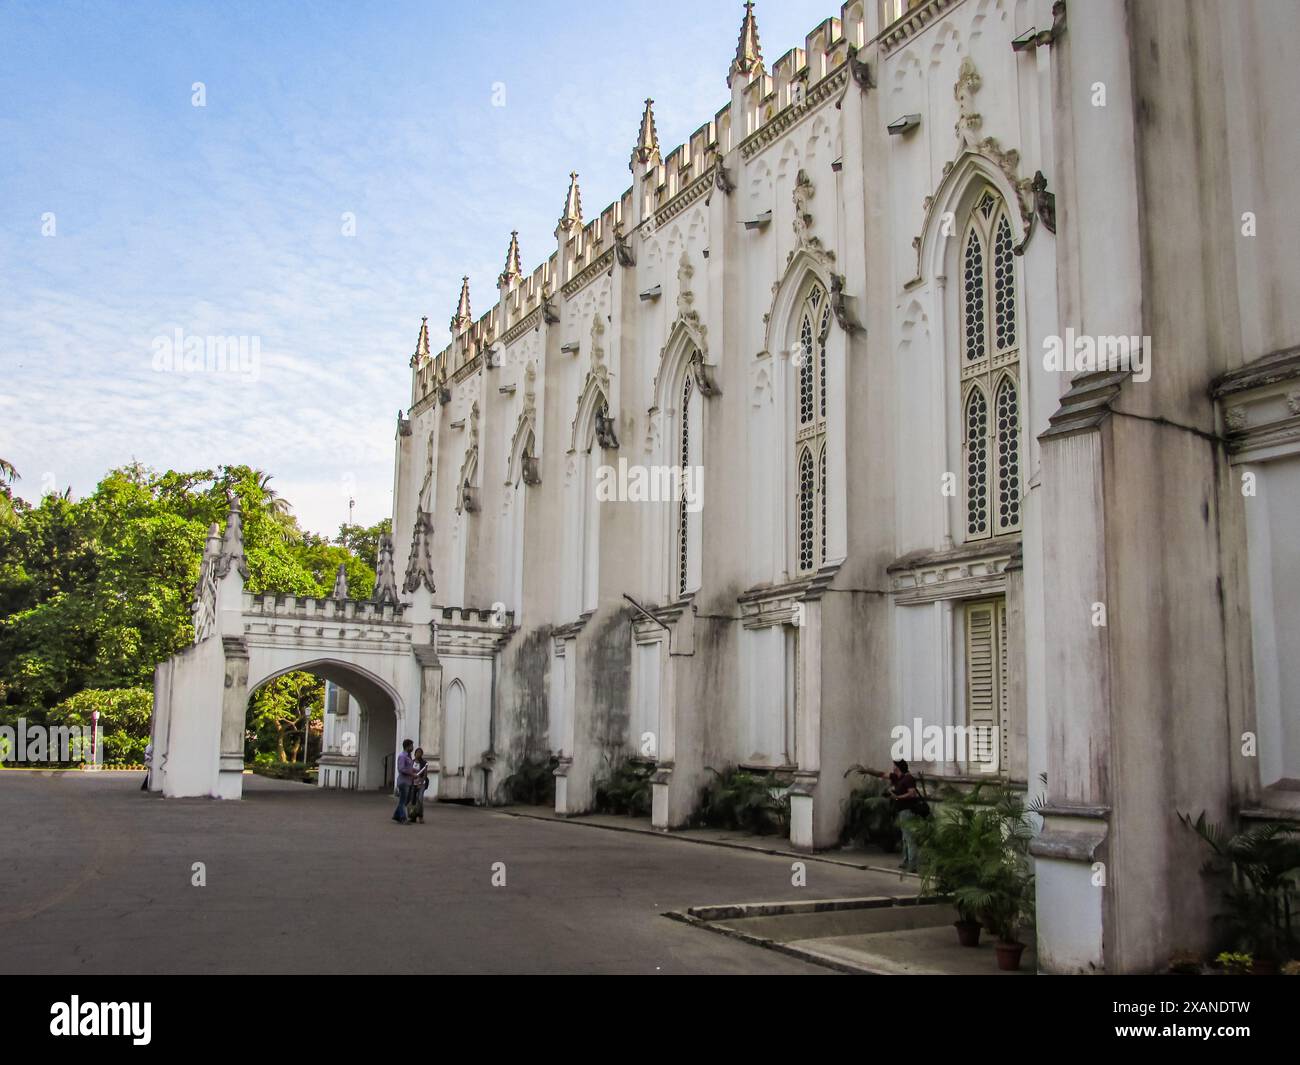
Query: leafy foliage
(95,592)
(750,802)
(975,848)
(1260,867)
(123,720)
(627,790)
(533,782)
(869,814)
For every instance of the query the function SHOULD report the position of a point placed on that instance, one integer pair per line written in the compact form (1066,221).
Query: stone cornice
(901,30)
(468,369)
(684,197)
(588,274)
(777,604)
(1087,404)
(964,572)
(531,320)
(791,115)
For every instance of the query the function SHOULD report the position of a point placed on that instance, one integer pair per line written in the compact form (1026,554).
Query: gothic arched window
(683,508)
(990,371)
(810,430)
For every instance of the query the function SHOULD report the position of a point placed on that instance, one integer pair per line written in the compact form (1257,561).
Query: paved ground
(96,878)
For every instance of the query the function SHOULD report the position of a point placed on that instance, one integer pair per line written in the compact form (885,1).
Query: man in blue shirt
(405,781)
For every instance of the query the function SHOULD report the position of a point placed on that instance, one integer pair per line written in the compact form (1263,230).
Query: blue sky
(228,219)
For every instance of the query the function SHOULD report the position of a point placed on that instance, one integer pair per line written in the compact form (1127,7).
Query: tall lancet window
(683,507)
(990,371)
(810,430)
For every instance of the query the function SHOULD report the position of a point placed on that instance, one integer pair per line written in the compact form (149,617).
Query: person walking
(148,765)
(405,781)
(909,806)
(415,808)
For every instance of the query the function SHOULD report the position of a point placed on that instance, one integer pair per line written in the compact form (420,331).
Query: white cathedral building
(969,328)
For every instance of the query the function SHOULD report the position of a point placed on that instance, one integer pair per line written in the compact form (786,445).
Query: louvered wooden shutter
(985,694)
(1004,717)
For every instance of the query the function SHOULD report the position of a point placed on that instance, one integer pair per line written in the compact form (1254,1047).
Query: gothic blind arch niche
(988,305)
(681,389)
(521,474)
(593,432)
(466,505)
(453,729)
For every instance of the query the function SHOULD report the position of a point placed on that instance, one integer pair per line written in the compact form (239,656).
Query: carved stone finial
(419,567)
(340,583)
(232,543)
(422,341)
(572,217)
(647,141)
(385,580)
(749,53)
(514,268)
(460,321)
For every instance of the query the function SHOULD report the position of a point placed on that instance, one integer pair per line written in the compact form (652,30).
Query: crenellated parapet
(664,185)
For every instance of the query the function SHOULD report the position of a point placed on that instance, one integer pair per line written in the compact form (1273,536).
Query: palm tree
(274,503)
(280,509)
(8,474)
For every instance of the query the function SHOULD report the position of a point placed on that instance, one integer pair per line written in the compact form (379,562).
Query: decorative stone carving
(204,606)
(605,435)
(1235,419)
(623,247)
(967,129)
(722,180)
(1293,402)
(232,544)
(839,306)
(597,349)
(426,487)
(340,583)
(860,70)
(653,430)
(549,314)
(803,237)
(419,567)
(1044,202)
(385,593)
(703,373)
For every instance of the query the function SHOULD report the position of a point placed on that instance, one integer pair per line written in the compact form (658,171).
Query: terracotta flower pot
(968,933)
(1009,955)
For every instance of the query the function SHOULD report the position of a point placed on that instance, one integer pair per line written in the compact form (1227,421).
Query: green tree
(124,715)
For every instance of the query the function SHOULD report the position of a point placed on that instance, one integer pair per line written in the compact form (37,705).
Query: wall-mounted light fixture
(571,348)
(651,293)
(903,125)
(760,221)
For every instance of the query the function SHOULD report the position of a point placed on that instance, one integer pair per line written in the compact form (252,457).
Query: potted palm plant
(961,838)
(1260,867)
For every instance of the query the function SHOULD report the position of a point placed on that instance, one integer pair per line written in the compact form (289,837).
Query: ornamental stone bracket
(1260,405)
